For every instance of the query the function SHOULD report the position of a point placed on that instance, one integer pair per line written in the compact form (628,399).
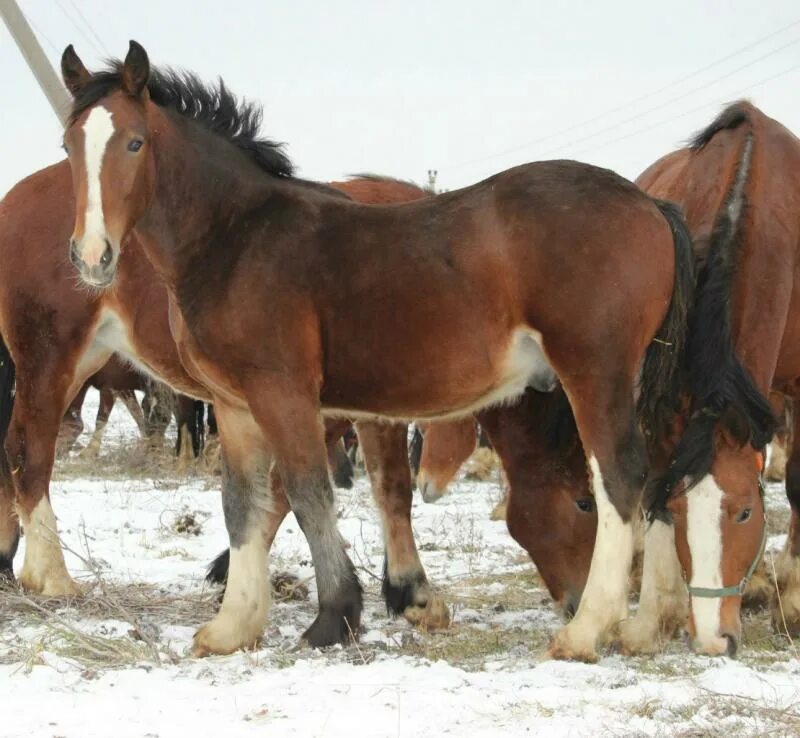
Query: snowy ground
(82,669)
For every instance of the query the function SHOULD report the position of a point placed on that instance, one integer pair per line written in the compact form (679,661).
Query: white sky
(400,87)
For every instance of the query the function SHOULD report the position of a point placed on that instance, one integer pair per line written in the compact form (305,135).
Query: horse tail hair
(7,381)
(721,389)
(415,451)
(662,378)
(217,572)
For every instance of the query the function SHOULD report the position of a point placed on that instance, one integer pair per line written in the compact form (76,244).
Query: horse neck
(201,181)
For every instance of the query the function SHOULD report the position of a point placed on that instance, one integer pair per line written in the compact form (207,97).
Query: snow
(487,677)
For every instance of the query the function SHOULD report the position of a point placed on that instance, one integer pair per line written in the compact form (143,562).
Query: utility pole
(39,64)
(432,175)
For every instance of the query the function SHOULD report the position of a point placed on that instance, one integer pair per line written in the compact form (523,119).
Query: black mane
(213,106)
(730,118)
(722,391)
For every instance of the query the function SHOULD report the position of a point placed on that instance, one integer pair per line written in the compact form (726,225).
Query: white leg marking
(44,570)
(97,130)
(663,600)
(604,601)
(243,614)
(705,545)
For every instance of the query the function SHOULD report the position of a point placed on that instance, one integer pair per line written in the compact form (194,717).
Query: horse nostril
(733,645)
(73,252)
(108,255)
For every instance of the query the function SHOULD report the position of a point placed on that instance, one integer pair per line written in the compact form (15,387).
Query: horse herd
(617,342)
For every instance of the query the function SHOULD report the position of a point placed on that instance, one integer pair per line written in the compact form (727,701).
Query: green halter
(736,590)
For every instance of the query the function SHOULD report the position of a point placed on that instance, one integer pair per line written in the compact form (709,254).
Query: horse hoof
(434,616)
(332,626)
(635,637)
(51,586)
(220,637)
(563,647)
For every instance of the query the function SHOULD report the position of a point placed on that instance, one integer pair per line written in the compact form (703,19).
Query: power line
(669,102)
(80,30)
(663,122)
(91,29)
(630,103)
(40,33)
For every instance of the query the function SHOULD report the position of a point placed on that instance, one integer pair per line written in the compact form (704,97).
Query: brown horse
(58,335)
(116,380)
(555,268)
(739,184)
(446,447)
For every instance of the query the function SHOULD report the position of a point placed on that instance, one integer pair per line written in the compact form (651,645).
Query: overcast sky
(468,88)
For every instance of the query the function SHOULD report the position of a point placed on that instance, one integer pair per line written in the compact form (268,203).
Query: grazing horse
(549,269)
(445,448)
(54,335)
(739,184)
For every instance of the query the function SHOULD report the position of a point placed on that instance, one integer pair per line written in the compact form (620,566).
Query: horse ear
(73,72)
(135,70)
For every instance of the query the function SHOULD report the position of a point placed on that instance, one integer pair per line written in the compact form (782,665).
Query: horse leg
(663,603)
(786,605)
(30,445)
(247,503)
(72,424)
(617,461)
(339,463)
(289,417)
(107,400)
(405,586)
(128,398)
(186,421)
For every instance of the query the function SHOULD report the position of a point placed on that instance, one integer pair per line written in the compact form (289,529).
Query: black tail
(662,380)
(7,380)
(217,572)
(415,451)
(720,387)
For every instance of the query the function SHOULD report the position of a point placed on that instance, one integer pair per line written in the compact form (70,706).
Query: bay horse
(549,269)
(54,334)
(738,182)
(116,380)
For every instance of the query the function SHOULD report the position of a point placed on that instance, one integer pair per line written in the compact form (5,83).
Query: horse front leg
(31,446)
(248,504)
(405,585)
(617,461)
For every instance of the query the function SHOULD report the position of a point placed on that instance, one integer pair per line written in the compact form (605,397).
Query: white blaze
(704,536)
(97,131)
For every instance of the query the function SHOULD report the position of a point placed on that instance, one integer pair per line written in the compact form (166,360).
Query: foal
(555,268)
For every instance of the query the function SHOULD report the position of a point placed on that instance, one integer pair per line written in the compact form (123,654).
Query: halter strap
(736,590)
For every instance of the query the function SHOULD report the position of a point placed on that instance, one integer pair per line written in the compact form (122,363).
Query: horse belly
(426,387)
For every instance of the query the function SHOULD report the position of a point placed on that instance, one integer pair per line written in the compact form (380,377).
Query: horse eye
(66,148)
(135,145)
(585,504)
(744,515)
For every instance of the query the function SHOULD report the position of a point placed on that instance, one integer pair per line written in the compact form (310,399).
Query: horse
(116,380)
(739,186)
(552,269)
(446,446)
(55,334)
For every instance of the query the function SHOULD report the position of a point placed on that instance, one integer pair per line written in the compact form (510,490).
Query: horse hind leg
(289,417)
(405,585)
(104,409)
(617,461)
